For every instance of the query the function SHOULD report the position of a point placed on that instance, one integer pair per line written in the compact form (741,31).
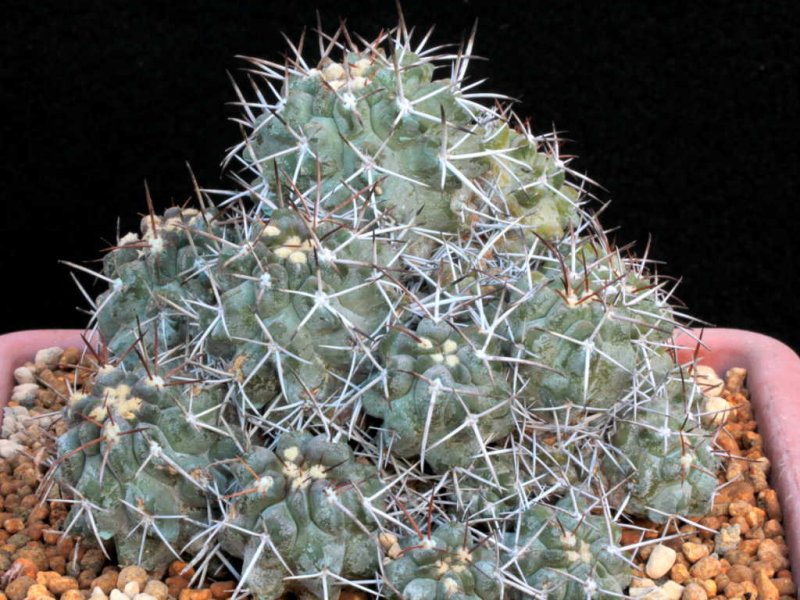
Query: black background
(686,113)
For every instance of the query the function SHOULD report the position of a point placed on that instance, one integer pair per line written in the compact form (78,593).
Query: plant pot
(773,381)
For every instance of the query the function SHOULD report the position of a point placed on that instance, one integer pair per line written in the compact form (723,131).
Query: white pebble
(131,589)
(716,410)
(642,582)
(143,596)
(655,593)
(672,590)
(708,381)
(117,595)
(9,449)
(98,594)
(48,357)
(20,437)
(643,592)
(24,393)
(9,422)
(660,562)
(727,539)
(24,375)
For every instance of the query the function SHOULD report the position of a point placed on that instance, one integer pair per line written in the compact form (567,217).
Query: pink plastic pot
(773,379)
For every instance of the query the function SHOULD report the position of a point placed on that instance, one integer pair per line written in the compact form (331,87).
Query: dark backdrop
(686,113)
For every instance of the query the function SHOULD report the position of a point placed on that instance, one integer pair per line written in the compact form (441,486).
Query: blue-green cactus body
(139,451)
(567,554)
(306,497)
(587,324)
(436,383)
(448,564)
(666,459)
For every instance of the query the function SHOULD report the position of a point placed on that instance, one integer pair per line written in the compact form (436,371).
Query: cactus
(593,319)
(434,379)
(140,455)
(665,457)
(403,312)
(306,495)
(426,152)
(447,563)
(565,552)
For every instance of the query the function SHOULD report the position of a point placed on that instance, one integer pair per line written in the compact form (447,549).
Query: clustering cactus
(447,563)
(319,509)
(140,455)
(566,552)
(401,355)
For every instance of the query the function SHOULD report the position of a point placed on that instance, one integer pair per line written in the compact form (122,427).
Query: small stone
(694,591)
(749,547)
(18,539)
(694,552)
(739,490)
(14,525)
(132,573)
(98,594)
(716,411)
(770,500)
(710,587)
(773,528)
(85,578)
(60,584)
(70,358)
(734,379)
(642,582)
(117,595)
(178,568)
(18,589)
(644,593)
(353,595)
(727,539)
(25,566)
(766,589)
(175,585)
(221,590)
(48,357)
(72,595)
(707,380)
(706,568)
(660,561)
(131,589)
(740,573)
(143,596)
(93,558)
(38,592)
(187,594)
(25,394)
(768,551)
(105,582)
(24,375)
(672,590)
(157,589)
(9,449)
(679,573)
(785,586)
